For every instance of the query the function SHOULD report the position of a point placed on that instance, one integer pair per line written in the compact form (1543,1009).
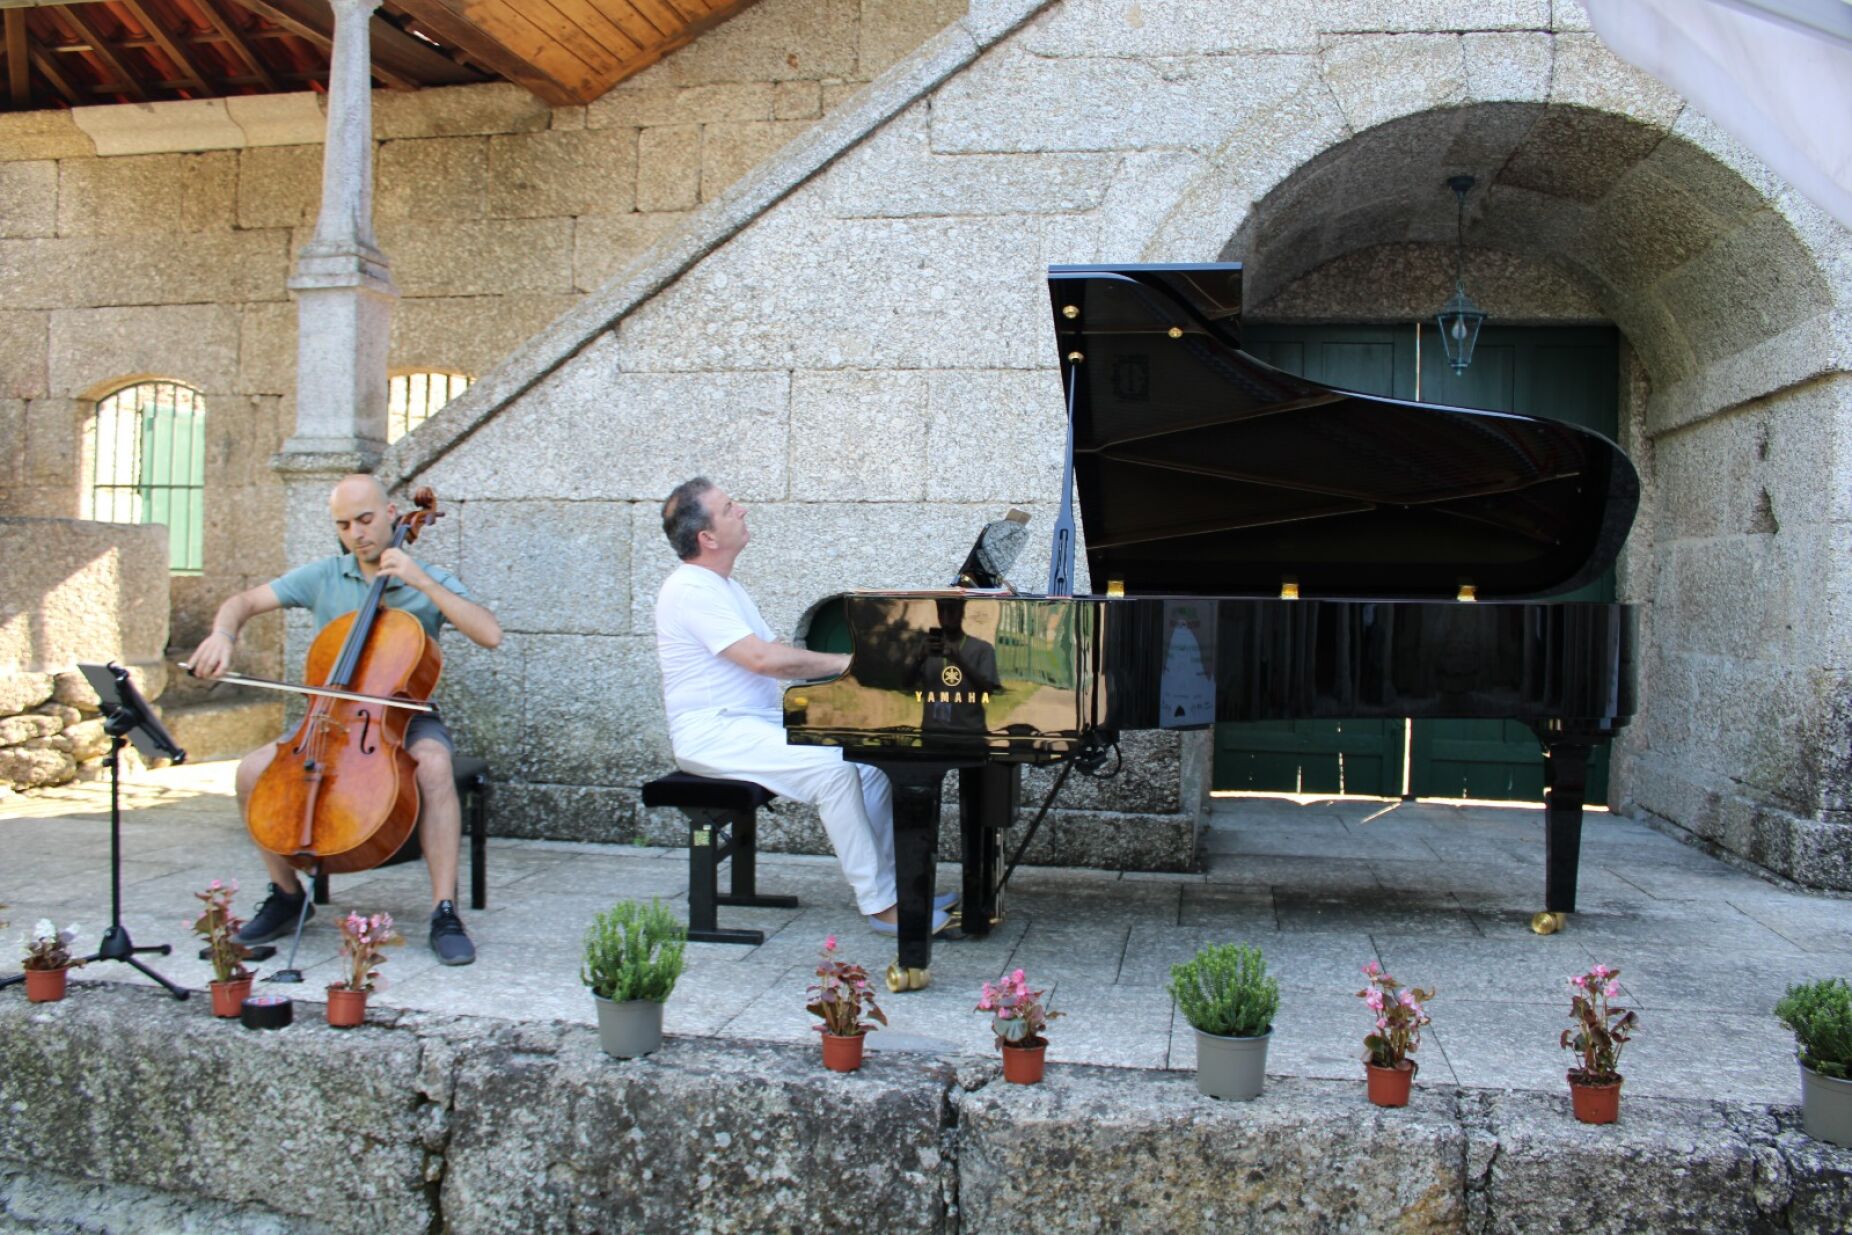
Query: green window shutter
(173,477)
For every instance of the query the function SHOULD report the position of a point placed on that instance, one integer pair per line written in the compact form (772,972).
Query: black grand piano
(1263,547)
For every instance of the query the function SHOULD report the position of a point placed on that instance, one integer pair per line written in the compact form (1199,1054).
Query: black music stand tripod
(126,718)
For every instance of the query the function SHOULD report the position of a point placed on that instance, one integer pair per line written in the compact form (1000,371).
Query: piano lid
(1203,471)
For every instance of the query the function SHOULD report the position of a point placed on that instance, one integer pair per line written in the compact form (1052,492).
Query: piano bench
(472,780)
(723,823)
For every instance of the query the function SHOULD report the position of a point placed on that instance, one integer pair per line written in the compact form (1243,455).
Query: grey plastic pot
(1232,1068)
(629,1028)
(1826,1108)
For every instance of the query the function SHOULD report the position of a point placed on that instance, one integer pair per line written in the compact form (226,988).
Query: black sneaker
(276,916)
(448,938)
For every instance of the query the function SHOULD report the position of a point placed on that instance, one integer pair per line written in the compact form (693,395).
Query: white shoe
(945,900)
(940,920)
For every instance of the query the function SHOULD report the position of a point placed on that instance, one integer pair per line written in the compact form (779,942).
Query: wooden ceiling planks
(107,51)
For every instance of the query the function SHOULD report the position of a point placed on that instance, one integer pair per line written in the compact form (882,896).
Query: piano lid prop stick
(1061,552)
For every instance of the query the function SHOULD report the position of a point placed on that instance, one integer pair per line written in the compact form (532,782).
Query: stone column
(344,297)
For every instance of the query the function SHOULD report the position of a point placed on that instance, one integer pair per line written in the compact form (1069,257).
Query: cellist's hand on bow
(212,657)
(400,565)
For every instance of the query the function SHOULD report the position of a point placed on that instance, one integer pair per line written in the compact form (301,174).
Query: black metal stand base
(117,946)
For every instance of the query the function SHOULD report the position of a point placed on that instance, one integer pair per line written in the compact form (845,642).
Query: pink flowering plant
(362,942)
(216,925)
(1018,1015)
(48,948)
(1600,1028)
(1399,1014)
(841,995)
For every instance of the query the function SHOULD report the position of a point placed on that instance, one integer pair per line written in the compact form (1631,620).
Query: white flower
(43,929)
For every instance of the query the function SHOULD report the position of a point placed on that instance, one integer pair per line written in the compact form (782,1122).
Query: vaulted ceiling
(137,51)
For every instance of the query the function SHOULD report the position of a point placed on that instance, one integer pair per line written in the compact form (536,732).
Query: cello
(341,792)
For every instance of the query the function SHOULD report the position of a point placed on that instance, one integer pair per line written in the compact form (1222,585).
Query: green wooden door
(1563,373)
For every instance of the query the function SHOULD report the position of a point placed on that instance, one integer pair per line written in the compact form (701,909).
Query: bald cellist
(364,517)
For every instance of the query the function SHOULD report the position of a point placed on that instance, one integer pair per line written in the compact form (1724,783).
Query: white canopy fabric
(1774,74)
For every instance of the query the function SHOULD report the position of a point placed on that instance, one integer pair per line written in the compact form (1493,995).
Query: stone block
(84,271)
(92,349)
(895,173)
(43,135)
(1206,1164)
(25,767)
(575,678)
(778,40)
(21,690)
(1578,154)
(729,151)
(267,347)
(294,119)
(1141,29)
(455,111)
(582,550)
(279,186)
(28,725)
(28,198)
(834,415)
(89,741)
(603,246)
(563,173)
(1512,67)
(80,590)
(1749,286)
(871,1148)
(890,30)
(24,349)
(1371,16)
(488,258)
(209,191)
(1589,75)
(1053,104)
(53,428)
(637,106)
(153,128)
(797,100)
(119,197)
(983,279)
(432,179)
(566,119)
(467,334)
(356,1089)
(72,689)
(1649,226)
(669,167)
(1379,77)
(994,436)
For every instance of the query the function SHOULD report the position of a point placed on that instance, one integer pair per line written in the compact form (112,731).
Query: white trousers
(855,800)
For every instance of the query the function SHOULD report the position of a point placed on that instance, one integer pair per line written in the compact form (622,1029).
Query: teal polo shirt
(334,585)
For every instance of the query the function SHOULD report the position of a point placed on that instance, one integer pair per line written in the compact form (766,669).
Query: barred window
(145,462)
(413,398)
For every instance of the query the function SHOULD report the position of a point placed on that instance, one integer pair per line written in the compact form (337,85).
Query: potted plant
(841,995)
(1018,1017)
(1226,996)
(633,956)
(1400,1014)
(231,981)
(1820,1014)
(1596,1038)
(362,944)
(47,960)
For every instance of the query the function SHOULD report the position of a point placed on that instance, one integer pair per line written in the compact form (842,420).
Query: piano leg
(986,804)
(916,844)
(1565,779)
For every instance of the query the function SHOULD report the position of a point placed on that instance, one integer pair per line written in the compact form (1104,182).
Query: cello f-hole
(366,728)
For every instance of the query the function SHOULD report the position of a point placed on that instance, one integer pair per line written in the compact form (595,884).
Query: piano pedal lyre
(1548,923)
(899,979)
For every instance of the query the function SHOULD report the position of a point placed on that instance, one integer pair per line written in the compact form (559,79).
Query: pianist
(721,668)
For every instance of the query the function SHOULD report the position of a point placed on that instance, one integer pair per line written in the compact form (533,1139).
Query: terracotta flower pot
(1023,1065)
(843,1052)
(45,985)
(1595,1104)
(346,1008)
(1390,1086)
(228,997)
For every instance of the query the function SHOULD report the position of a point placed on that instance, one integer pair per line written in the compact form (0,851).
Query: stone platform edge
(120,1103)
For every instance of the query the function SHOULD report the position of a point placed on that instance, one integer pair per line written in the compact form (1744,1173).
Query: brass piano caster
(899,979)
(1548,923)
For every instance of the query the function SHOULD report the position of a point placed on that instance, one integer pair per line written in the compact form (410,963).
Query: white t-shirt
(699,614)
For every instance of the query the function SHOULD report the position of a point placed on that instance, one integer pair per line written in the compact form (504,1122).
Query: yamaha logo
(951,675)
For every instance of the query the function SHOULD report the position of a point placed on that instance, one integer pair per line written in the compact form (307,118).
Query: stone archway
(1724,286)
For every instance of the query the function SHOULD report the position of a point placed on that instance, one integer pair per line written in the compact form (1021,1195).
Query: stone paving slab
(1441,895)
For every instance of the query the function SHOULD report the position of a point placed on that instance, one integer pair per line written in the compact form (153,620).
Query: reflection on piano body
(1271,549)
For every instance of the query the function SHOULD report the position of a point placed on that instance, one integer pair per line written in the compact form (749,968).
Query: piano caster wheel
(899,979)
(1548,923)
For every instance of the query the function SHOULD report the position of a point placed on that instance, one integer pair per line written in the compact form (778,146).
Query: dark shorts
(430,725)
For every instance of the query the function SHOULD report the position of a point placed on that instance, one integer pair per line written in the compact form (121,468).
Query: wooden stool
(723,822)
(472,781)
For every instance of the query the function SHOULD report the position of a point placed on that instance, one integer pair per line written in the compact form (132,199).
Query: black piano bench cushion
(687,789)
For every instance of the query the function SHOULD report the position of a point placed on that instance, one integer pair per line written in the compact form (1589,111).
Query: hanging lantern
(1459,319)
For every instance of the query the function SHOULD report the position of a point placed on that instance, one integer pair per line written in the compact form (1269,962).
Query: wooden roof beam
(399,60)
(172,50)
(227,29)
(102,51)
(460,32)
(18,68)
(49,71)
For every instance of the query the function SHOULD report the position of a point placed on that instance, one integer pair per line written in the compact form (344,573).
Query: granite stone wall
(854,341)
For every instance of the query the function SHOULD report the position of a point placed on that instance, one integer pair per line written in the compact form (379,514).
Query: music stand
(126,718)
